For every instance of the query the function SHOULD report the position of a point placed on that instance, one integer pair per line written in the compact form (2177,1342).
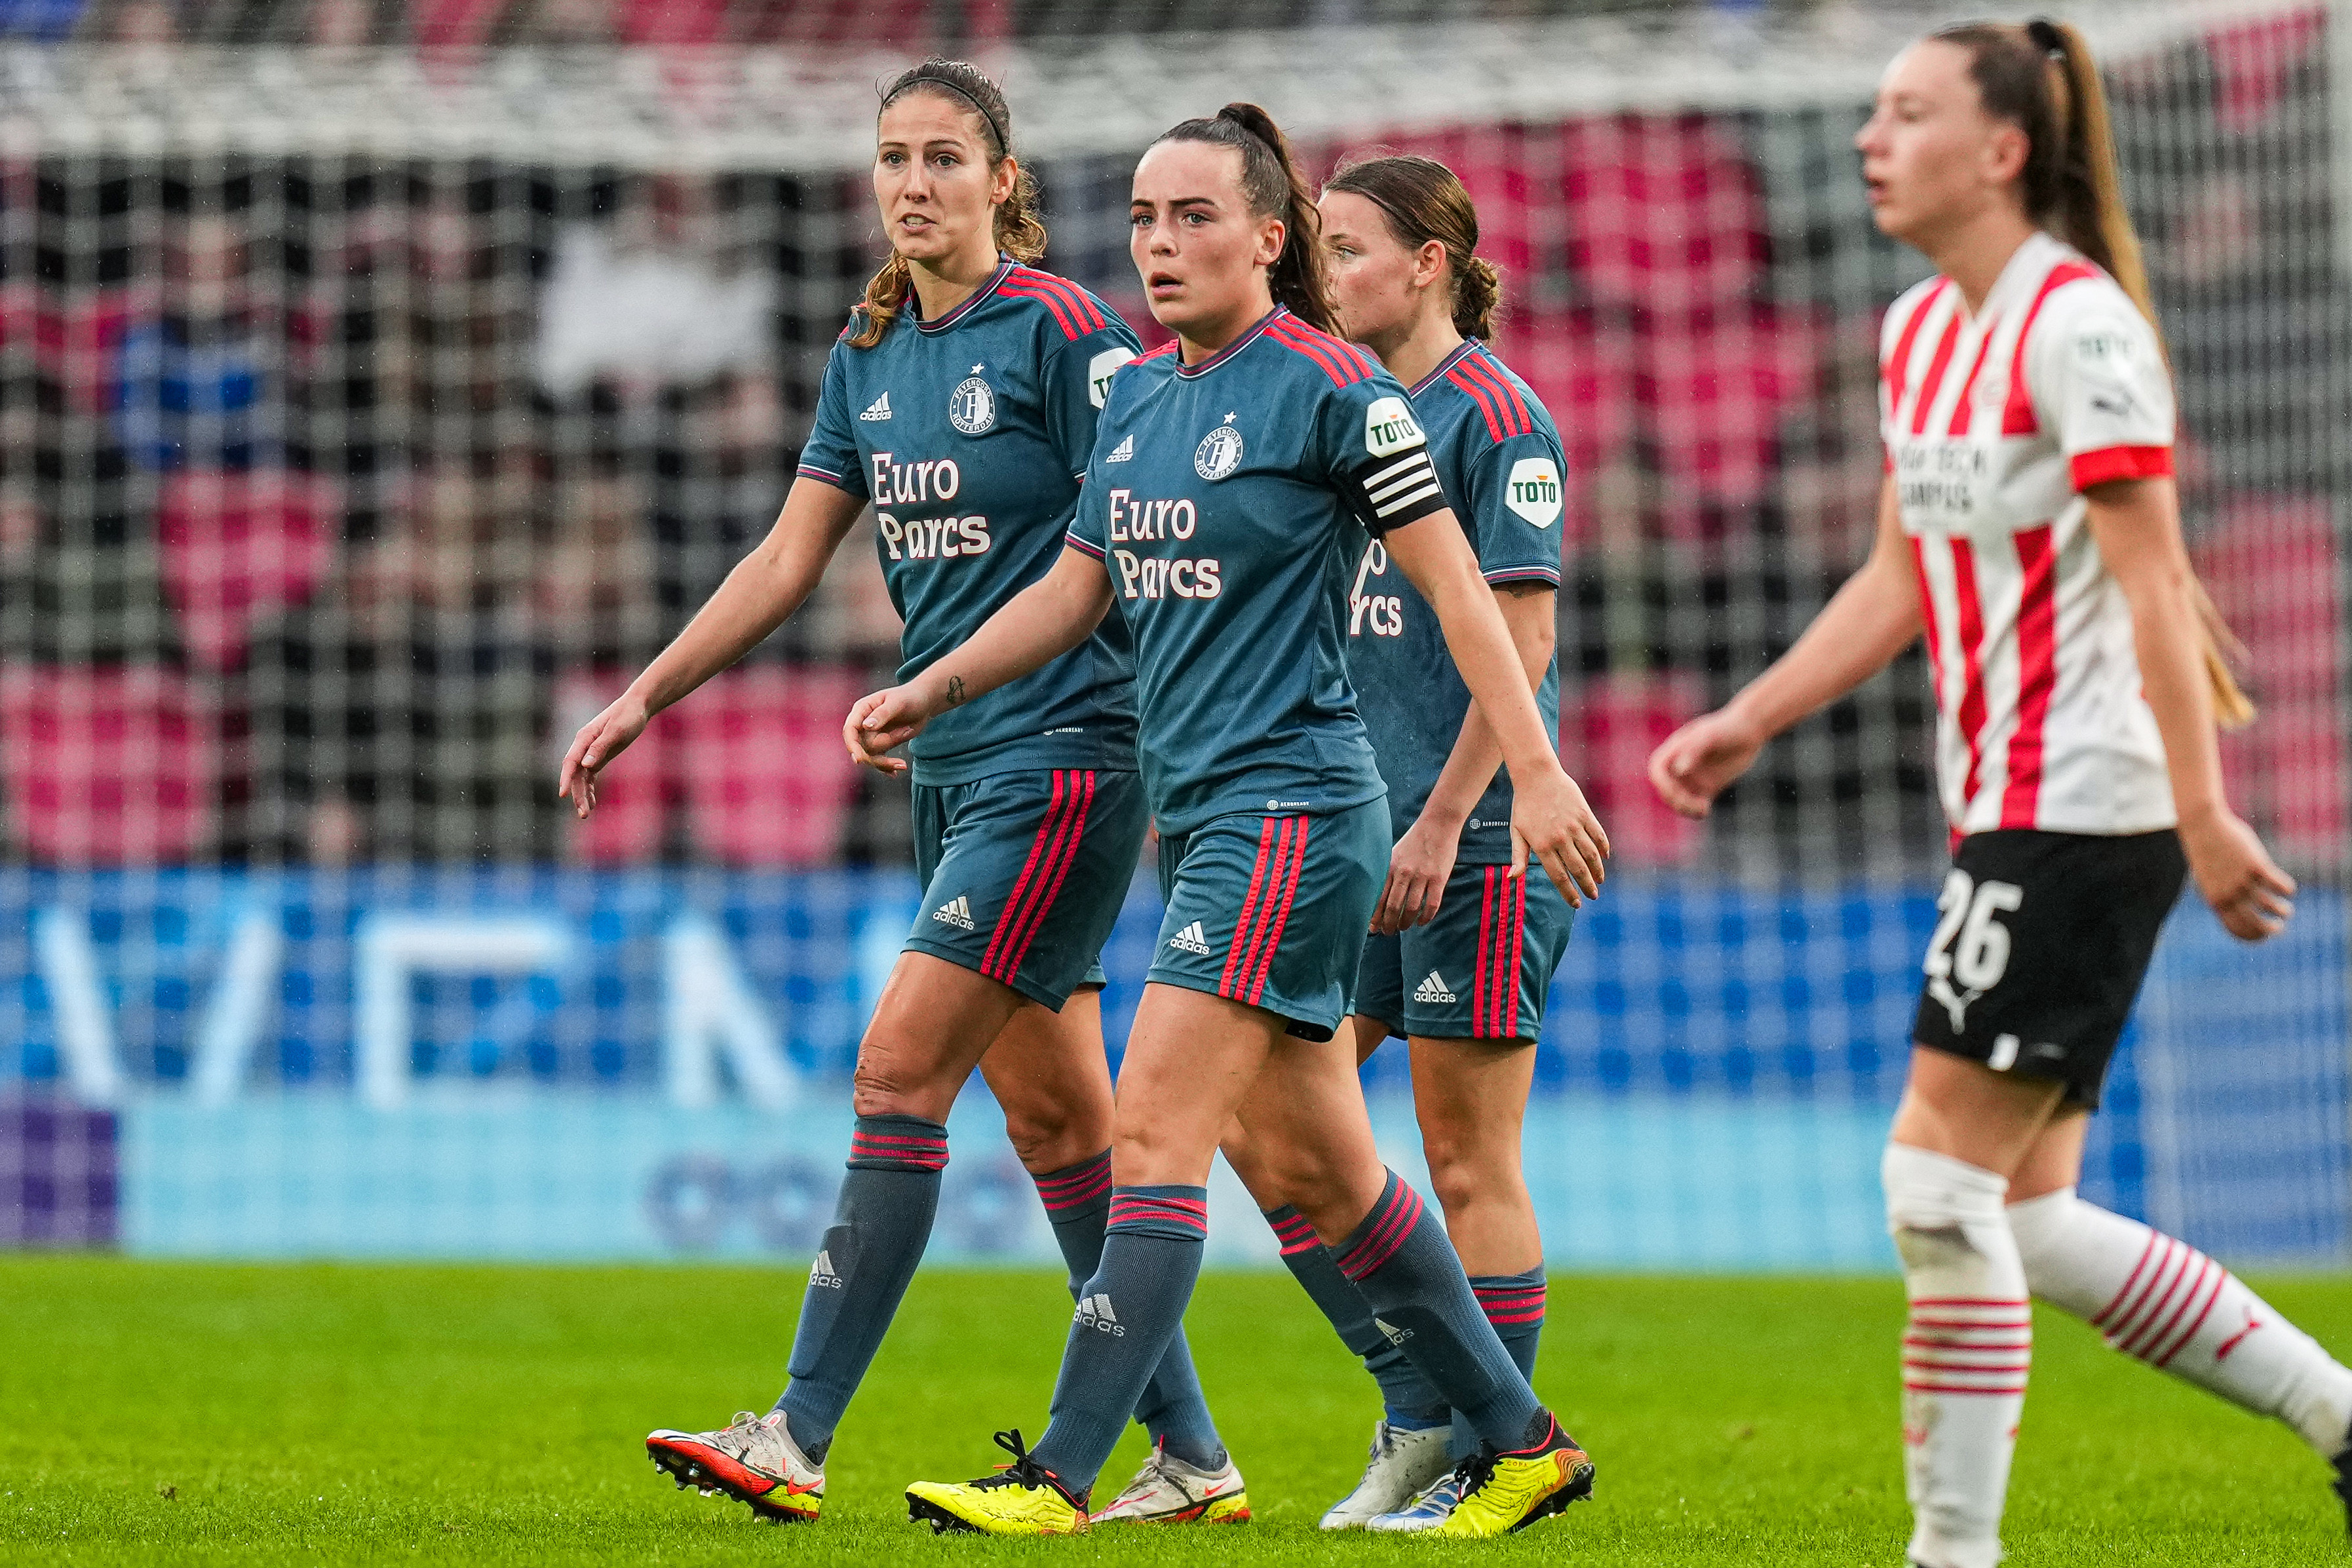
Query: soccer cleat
(1023,1498)
(1431,1508)
(1507,1493)
(754,1461)
(1402,1463)
(1167,1490)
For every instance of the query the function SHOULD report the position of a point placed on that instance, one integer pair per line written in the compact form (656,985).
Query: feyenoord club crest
(972,407)
(1219,454)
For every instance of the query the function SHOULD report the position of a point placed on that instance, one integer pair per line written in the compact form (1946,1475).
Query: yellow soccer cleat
(1505,1492)
(1023,1498)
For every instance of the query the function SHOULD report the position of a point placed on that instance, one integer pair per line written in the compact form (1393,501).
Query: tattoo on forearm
(955,690)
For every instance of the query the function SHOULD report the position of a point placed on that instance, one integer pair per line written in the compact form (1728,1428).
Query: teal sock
(1409,1402)
(1513,1304)
(1412,1280)
(881,1222)
(1172,1409)
(1128,1315)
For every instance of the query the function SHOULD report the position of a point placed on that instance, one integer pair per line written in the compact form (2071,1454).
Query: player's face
(1931,157)
(1377,280)
(932,178)
(1200,253)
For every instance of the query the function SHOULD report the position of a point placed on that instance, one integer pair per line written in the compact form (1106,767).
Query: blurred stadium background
(380,384)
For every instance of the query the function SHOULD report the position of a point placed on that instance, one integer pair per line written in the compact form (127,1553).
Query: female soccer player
(2030,527)
(1461,954)
(961,403)
(1234,477)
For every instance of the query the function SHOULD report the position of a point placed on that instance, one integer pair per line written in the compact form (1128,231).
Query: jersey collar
(1230,349)
(1469,345)
(971,301)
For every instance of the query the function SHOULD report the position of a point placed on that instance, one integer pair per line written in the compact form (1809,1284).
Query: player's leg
(933,1021)
(1961,1129)
(2163,1301)
(1051,1077)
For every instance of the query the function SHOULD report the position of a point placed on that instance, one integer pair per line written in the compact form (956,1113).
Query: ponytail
(2041,78)
(1424,200)
(1273,187)
(1019,231)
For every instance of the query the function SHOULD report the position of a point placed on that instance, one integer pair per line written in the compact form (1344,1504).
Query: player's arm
(1036,626)
(1423,859)
(2137,525)
(1870,620)
(763,590)
(1549,816)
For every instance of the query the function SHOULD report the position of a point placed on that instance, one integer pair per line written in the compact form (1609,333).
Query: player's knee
(1467,1171)
(1937,1207)
(885,1085)
(1048,1134)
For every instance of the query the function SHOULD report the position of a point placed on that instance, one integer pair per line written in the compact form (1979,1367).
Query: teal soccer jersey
(970,435)
(1498,455)
(1229,501)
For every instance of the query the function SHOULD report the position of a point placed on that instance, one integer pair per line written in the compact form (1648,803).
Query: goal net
(381,386)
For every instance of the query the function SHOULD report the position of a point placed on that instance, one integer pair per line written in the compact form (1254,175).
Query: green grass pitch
(184,1413)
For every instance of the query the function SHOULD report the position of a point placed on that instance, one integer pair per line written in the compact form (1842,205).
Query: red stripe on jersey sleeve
(2121,463)
(2037,675)
(1513,413)
(1167,347)
(1478,395)
(2017,418)
(1324,350)
(1081,308)
(1019,289)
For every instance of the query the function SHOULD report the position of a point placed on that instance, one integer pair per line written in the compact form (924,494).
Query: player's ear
(1429,264)
(2006,151)
(1002,183)
(1271,234)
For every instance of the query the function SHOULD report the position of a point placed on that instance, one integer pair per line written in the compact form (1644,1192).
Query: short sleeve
(2101,388)
(1514,493)
(1375,455)
(1078,372)
(830,454)
(1090,531)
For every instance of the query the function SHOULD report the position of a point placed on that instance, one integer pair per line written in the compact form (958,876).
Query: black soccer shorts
(2040,947)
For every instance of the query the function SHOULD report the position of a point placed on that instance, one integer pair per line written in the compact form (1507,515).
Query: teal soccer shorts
(1272,911)
(1023,873)
(1481,969)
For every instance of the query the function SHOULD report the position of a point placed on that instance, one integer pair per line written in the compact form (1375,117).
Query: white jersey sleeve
(2100,385)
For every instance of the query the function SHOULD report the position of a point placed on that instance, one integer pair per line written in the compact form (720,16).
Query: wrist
(2195,816)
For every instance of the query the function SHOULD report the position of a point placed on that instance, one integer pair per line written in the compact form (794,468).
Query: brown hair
(1424,200)
(1274,188)
(1019,233)
(2040,77)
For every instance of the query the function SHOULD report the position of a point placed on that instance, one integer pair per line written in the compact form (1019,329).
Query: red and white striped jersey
(1994,426)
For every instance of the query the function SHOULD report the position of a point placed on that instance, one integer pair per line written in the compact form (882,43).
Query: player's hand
(2237,876)
(1551,823)
(1691,766)
(600,740)
(1418,869)
(883,722)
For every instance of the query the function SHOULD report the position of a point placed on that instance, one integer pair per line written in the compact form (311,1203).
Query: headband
(1003,142)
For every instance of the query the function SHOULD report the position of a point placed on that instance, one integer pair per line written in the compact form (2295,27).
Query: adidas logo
(1191,940)
(820,1272)
(956,911)
(1433,989)
(1123,451)
(1094,1312)
(1395,1335)
(879,409)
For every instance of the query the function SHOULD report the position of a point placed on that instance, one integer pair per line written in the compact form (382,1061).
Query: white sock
(1964,1355)
(2164,1301)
